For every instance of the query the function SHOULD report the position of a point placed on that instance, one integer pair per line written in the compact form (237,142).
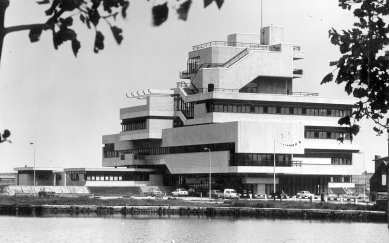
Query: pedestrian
(322,196)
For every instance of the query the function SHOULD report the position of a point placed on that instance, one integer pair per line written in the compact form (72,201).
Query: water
(119,228)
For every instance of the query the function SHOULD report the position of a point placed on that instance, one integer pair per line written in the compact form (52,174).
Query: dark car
(279,194)
(245,194)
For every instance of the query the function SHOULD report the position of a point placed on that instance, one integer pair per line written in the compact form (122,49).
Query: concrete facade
(239,112)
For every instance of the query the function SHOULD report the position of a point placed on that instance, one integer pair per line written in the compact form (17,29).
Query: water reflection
(152,228)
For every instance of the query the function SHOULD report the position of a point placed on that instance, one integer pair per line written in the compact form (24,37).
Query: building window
(341,161)
(43,177)
(383,180)
(193,65)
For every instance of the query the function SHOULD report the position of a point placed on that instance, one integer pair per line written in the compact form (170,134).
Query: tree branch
(28,27)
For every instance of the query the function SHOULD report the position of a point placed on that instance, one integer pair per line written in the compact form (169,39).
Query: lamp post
(210,170)
(274,167)
(34,167)
(364,175)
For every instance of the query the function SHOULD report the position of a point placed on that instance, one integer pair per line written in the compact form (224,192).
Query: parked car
(216,194)
(279,194)
(304,194)
(152,192)
(230,193)
(180,192)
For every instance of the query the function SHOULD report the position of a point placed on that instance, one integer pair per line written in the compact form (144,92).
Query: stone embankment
(205,211)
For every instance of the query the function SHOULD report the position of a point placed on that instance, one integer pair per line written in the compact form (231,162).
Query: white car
(180,192)
(304,194)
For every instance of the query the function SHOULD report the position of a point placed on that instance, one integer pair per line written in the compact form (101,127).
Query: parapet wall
(12,190)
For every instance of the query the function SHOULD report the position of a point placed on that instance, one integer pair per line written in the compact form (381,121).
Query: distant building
(43,176)
(7,179)
(379,180)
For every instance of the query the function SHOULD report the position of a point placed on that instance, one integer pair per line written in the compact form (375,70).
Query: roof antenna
(261,13)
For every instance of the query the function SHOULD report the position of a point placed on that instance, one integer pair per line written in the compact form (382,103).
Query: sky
(64,104)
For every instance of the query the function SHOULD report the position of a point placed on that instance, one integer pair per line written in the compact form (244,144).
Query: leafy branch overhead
(91,13)
(364,64)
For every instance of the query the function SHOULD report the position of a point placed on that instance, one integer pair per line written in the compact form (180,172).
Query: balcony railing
(297,48)
(298,71)
(266,163)
(254,46)
(206,90)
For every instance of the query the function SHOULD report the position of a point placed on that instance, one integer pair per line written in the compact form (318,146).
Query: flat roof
(109,169)
(54,169)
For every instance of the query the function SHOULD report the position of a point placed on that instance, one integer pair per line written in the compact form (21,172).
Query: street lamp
(210,170)
(364,175)
(34,167)
(274,174)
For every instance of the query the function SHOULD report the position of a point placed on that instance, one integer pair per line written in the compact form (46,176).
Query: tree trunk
(3,6)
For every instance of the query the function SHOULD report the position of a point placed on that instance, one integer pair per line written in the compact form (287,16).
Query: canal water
(151,228)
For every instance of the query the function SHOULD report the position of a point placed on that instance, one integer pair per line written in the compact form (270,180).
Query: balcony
(297,73)
(254,46)
(185,75)
(259,92)
(297,53)
(266,163)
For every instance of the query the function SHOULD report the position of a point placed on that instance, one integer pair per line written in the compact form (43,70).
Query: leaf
(355,129)
(160,14)
(66,22)
(183,10)
(94,16)
(82,18)
(359,13)
(207,3)
(125,5)
(87,23)
(344,121)
(333,63)
(35,34)
(219,3)
(328,78)
(43,2)
(360,92)
(70,5)
(348,88)
(341,139)
(117,34)
(76,45)
(6,134)
(54,5)
(99,42)
(64,34)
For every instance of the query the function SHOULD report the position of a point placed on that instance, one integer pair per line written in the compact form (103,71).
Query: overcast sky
(64,104)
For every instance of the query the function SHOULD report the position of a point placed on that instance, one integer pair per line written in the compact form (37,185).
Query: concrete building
(236,108)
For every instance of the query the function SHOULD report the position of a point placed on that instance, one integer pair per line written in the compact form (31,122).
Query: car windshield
(233,191)
(217,191)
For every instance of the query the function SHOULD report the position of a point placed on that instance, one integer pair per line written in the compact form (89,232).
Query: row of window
(327,135)
(277,110)
(187,108)
(106,176)
(340,161)
(134,124)
(260,160)
(128,177)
